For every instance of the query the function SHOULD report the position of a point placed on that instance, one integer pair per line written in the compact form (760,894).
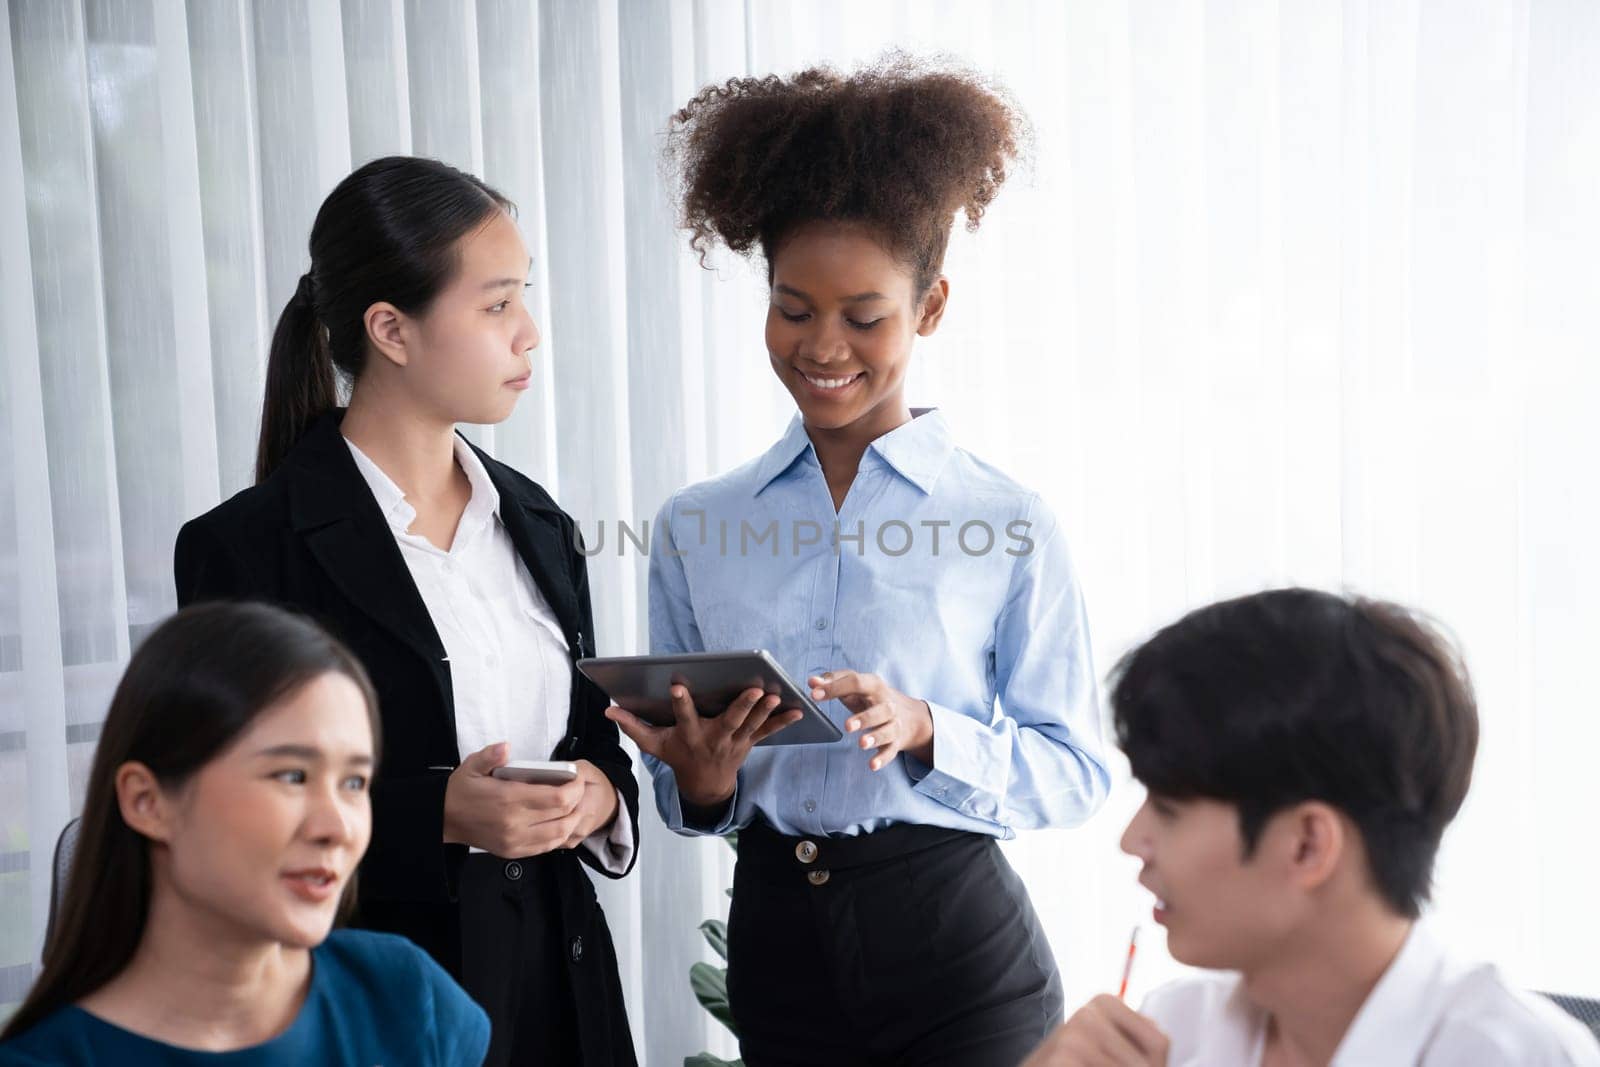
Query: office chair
(1583,1009)
(60,867)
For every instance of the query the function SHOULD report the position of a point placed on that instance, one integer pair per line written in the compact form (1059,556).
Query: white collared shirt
(509,671)
(1427,1010)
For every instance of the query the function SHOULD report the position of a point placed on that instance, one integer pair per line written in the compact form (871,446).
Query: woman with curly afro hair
(927,598)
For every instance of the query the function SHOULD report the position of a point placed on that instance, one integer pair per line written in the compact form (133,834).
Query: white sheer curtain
(1295,291)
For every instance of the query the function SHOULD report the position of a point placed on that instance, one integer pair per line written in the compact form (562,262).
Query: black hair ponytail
(386,233)
(301,384)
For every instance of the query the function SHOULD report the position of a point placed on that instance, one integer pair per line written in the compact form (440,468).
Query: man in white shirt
(1303,754)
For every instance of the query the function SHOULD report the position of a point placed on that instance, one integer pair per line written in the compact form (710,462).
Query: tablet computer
(643,685)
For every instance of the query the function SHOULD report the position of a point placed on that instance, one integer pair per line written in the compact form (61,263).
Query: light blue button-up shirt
(940,575)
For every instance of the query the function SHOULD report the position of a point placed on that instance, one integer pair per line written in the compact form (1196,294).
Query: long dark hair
(387,232)
(193,687)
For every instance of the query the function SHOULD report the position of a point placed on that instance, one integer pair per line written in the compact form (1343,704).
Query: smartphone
(537,772)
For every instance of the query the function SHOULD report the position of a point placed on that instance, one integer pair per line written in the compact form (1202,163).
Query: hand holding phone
(513,818)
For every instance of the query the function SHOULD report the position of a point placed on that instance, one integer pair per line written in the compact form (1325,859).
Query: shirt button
(805,851)
(822,624)
(492,660)
(575,950)
(513,871)
(817,877)
(811,805)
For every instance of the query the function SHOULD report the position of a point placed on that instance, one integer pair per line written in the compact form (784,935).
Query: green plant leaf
(706,1059)
(716,932)
(710,985)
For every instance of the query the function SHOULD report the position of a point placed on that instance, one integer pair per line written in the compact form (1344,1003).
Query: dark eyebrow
(506,283)
(859,298)
(308,753)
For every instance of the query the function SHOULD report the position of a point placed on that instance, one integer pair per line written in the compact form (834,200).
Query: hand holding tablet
(702,713)
(643,685)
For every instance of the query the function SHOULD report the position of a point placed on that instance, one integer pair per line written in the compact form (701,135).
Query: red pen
(1127,968)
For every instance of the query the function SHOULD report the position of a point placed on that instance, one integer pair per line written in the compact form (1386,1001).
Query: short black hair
(1291,695)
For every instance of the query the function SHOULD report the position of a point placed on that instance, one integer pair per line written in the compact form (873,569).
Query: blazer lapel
(543,539)
(540,539)
(332,508)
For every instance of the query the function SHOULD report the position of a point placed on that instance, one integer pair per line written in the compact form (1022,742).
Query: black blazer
(311,537)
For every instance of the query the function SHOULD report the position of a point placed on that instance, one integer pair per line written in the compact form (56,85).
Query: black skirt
(912,945)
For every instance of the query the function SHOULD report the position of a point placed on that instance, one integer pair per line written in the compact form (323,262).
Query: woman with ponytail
(226,809)
(458,584)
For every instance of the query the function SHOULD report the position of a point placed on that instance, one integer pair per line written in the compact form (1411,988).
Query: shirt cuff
(964,775)
(678,819)
(614,848)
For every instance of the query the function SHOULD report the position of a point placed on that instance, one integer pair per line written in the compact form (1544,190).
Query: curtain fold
(1287,291)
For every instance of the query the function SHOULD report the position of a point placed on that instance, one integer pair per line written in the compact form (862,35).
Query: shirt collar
(917,450)
(1396,1019)
(483,507)
(780,457)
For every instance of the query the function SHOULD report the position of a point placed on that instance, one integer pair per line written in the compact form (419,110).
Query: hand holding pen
(1105,1032)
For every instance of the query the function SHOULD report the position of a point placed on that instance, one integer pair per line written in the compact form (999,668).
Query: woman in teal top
(374,999)
(226,811)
